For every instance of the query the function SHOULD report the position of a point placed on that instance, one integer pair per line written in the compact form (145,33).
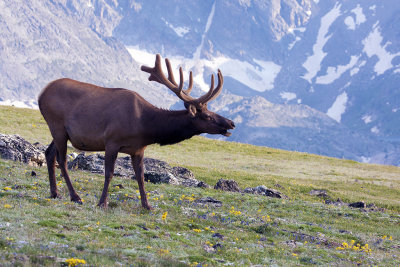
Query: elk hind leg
(50,153)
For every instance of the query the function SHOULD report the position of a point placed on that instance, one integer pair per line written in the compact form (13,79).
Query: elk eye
(209,118)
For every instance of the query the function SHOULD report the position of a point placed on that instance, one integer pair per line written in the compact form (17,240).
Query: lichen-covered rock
(359,205)
(227,185)
(208,201)
(16,148)
(264,191)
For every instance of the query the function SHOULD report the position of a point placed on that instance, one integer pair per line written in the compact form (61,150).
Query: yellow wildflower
(75,262)
(7,188)
(197,230)
(164,216)
(7,206)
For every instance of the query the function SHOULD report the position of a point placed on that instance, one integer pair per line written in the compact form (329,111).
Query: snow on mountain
(259,77)
(313,62)
(373,46)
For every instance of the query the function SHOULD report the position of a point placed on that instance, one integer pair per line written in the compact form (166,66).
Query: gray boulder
(227,185)
(264,191)
(14,147)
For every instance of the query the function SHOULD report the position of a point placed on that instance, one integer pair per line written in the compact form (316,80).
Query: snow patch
(356,69)
(197,53)
(180,31)
(288,96)
(351,24)
(338,108)
(375,130)
(333,73)
(367,119)
(20,104)
(246,3)
(360,17)
(290,46)
(313,62)
(373,47)
(365,159)
(259,75)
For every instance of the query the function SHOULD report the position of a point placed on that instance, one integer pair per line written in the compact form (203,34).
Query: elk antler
(156,74)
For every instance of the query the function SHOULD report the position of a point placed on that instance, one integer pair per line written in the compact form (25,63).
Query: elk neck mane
(171,126)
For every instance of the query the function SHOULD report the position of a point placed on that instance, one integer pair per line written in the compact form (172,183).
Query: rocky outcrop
(155,171)
(14,147)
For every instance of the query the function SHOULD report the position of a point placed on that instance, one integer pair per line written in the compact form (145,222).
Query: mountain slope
(41,42)
(337,62)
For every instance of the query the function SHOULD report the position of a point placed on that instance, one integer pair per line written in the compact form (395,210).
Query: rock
(338,202)
(16,148)
(264,191)
(203,185)
(218,235)
(155,171)
(359,205)
(217,246)
(208,201)
(72,156)
(227,185)
(93,163)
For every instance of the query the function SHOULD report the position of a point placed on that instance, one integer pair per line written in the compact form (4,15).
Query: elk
(117,120)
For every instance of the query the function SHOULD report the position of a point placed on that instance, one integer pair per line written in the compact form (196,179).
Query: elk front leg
(110,158)
(137,162)
(61,146)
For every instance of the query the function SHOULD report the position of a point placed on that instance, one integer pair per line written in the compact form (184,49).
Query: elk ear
(192,110)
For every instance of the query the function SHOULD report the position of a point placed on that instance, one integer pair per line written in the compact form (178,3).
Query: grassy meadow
(246,230)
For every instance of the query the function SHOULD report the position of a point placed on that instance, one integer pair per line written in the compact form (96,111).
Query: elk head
(204,120)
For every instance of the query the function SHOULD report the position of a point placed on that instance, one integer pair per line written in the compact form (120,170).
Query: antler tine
(217,90)
(187,91)
(156,73)
(170,73)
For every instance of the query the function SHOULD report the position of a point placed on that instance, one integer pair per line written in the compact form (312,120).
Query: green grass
(37,231)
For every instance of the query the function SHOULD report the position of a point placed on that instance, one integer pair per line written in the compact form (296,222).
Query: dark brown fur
(114,120)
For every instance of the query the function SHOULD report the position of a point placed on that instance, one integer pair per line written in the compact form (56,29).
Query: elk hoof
(77,200)
(148,207)
(55,195)
(102,205)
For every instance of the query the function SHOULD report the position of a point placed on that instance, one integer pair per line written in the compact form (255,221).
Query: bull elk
(116,120)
